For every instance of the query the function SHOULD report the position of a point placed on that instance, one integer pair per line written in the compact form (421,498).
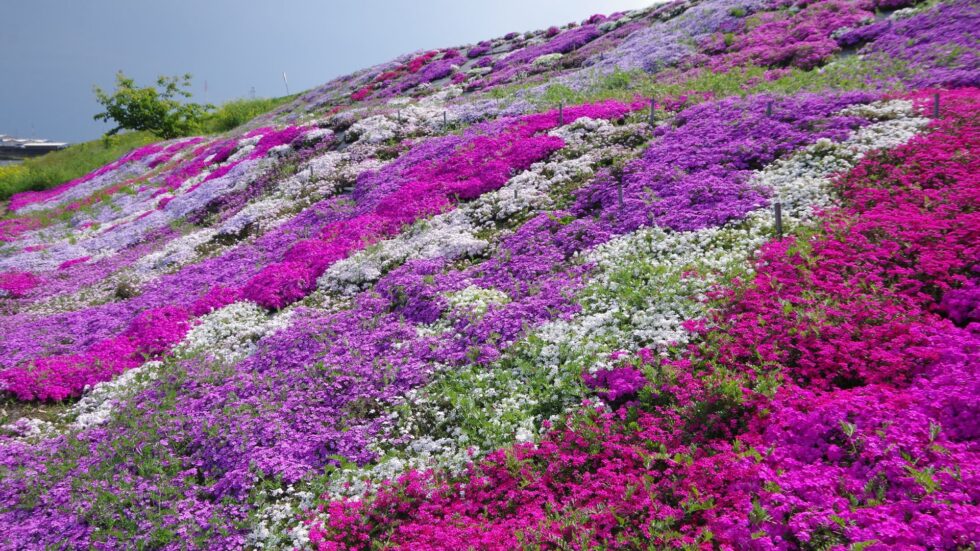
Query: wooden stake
(769,109)
(779,219)
(653,108)
(935,106)
(561,114)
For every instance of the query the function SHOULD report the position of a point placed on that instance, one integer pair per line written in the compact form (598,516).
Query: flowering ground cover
(425,307)
(828,433)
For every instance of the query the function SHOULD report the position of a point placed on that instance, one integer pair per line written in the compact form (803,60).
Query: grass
(237,112)
(79,159)
(12,409)
(60,166)
(846,73)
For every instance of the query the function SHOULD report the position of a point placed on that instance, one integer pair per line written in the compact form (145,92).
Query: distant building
(19,148)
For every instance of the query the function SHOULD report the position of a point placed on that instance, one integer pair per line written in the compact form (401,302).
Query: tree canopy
(156,109)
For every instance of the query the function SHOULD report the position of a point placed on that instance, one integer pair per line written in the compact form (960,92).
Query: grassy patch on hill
(61,166)
(79,159)
(846,73)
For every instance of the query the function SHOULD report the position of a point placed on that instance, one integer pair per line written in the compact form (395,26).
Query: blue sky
(53,52)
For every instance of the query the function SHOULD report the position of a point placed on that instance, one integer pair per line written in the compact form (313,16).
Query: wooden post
(935,106)
(445,120)
(653,108)
(561,114)
(620,194)
(779,219)
(769,109)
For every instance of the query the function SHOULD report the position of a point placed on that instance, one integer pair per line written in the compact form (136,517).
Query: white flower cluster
(229,334)
(321,177)
(403,119)
(547,59)
(95,407)
(27,428)
(449,235)
(176,253)
(452,424)
(275,525)
(476,300)
(802,183)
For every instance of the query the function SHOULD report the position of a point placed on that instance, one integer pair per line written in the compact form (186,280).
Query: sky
(53,52)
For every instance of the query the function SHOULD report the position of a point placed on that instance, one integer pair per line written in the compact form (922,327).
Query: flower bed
(414,307)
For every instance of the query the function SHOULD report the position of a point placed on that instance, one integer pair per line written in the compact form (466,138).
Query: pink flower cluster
(17,284)
(57,377)
(799,37)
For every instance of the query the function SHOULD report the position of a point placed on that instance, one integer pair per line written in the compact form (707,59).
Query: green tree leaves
(155,109)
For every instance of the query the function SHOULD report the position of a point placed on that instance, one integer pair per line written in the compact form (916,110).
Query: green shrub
(158,110)
(240,111)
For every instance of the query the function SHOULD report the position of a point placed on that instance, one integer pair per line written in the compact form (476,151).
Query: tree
(158,110)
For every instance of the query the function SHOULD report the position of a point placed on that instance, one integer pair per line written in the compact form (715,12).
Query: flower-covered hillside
(700,275)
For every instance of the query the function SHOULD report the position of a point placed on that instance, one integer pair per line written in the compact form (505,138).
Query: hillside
(703,275)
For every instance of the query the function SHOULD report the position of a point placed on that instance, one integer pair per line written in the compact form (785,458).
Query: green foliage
(846,73)
(61,166)
(158,110)
(237,112)
(559,93)
(618,80)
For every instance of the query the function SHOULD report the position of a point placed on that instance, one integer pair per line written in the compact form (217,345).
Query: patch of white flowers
(229,334)
(476,300)
(444,235)
(97,404)
(275,524)
(404,119)
(28,428)
(547,59)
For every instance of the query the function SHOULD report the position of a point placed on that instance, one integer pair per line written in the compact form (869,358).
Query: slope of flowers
(936,47)
(419,183)
(639,293)
(425,306)
(742,445)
